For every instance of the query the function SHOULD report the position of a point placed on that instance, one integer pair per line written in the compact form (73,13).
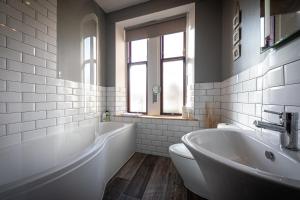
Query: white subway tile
(10,75)
(20,67)
(45,89)
(46,21)
(284,95)
(52,16)
(55,113)
(34,97)
(10,97)
(2,107)
(20,87)
(19,26)
(56,82)
(31,116)
(10,118)
(20,107)
(292,73)
(17,4)
(2,130)
(10,54)
(29,78)
(45,55)
(64,90)
(34,42)
(45,72)
(64,120)
(34,60)
(55,97)
(20,127)
(243,97)
(19,46)
(48,5)
(249,85)
(45,123)
(39,8)
(32,22)
(273,78)
(45,106)
(5,30)
(51,32)
(2,63)
(71,112)
(46,38)
(8,10)
(51,65)
(52,49)
(2,86)
(2,39)
(64,105)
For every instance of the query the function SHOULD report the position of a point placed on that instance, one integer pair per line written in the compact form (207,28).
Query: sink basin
(239,164)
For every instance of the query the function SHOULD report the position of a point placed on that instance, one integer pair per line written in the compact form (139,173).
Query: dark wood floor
(148,177)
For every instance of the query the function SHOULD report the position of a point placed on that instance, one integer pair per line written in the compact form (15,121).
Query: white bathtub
(73,165)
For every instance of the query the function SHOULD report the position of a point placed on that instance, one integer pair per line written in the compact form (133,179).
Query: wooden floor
(148,177)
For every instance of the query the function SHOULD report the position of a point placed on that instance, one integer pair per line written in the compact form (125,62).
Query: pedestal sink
(240,165)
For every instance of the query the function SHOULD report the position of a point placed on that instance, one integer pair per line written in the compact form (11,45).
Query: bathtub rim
(67,166)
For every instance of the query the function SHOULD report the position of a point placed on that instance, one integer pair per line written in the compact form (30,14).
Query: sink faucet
(288,127)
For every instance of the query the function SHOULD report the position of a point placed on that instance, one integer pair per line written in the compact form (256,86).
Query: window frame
(129,64)
(178,58)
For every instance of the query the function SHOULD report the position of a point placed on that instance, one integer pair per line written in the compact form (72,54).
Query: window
(172,73)
(166,69)
(89,60)
(137,76)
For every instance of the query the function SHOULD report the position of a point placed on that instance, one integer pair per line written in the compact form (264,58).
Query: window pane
(172,86)
(173,45)
(87,48)
(87,73)
(94,74)
(139,50)
(94,47)
(138,83)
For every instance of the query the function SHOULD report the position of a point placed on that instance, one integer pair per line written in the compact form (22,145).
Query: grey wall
(208,41)
(250,41)
(70,14)
(208,35)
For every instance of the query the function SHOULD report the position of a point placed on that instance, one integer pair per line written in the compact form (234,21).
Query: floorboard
(148,177)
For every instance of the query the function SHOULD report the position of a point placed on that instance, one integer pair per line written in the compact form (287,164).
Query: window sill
(169,117)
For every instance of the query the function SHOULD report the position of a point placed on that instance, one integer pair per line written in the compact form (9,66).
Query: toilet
(188,168)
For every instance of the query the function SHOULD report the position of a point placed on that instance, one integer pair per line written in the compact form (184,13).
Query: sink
(239,164)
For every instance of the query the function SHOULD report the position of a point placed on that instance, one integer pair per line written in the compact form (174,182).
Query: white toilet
(188,168)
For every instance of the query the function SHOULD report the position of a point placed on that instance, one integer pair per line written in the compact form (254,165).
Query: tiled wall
(154,136)
(274,84)
(32,101)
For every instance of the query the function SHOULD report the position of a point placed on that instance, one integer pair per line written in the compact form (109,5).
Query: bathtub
(75,164)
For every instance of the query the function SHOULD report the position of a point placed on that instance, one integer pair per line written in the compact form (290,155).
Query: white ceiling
(113,5)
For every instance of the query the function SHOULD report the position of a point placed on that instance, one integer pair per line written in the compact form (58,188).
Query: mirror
(280,22)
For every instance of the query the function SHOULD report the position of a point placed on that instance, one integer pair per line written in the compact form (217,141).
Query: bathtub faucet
(288,127)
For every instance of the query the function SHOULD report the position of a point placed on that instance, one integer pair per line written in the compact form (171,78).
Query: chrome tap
(288,127)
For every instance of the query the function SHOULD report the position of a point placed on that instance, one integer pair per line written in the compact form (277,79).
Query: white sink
(235,165)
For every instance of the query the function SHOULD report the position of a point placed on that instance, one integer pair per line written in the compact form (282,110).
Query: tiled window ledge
(170,117)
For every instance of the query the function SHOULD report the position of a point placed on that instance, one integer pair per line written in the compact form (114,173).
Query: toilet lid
(181,150)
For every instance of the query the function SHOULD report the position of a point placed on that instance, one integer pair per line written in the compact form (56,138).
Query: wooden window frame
(129,64)
(162,60)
